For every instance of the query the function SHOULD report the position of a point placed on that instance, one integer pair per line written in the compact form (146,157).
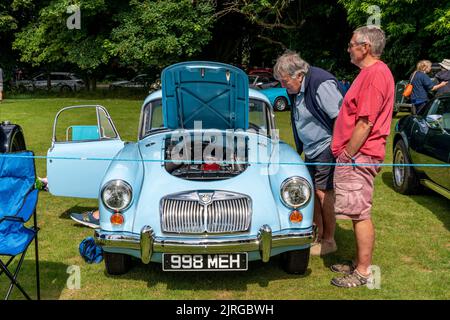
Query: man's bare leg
(328,219)
(365,239)
(318,221)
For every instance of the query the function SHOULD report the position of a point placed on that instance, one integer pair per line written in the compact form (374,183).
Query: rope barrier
(353,164)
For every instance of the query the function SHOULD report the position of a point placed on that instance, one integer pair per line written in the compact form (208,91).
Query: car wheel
(280,104)
(404,177)
(65,89)
(295,262)
(18,143)
(117,263)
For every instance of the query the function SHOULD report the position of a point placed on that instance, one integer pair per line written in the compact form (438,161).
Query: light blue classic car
(278,97)
(207,186)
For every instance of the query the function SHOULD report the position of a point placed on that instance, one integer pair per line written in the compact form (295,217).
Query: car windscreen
(152,117)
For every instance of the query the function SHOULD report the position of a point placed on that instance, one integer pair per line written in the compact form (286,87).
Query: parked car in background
(139,82)
(262,81)
(268,72)
(423,138)
(278,97)
(219,208)
(59,82)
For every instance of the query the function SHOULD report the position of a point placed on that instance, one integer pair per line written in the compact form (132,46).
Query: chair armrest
(29,204)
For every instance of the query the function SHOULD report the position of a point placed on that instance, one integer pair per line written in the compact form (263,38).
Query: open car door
(84,143)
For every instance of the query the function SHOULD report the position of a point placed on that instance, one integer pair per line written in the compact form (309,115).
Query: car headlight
(116,195)
(295,192)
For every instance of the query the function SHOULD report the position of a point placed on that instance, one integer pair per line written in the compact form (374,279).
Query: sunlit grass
(412,246)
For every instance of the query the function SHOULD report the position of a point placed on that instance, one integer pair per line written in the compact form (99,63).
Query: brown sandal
(346,267)
(355,279)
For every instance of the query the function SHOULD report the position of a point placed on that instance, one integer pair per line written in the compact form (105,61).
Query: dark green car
(424,138)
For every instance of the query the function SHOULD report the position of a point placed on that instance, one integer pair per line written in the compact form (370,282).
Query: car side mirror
(434,121)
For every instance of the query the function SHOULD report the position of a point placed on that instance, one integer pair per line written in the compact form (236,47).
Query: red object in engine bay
(210,167)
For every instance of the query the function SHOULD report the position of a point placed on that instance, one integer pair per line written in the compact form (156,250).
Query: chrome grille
(189,213)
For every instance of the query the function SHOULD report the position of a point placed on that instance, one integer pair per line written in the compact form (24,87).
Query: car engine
(214,162)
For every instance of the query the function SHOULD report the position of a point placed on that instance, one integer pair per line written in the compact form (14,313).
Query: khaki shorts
(353,186)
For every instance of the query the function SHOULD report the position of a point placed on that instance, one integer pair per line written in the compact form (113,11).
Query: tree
(415,29)
(14,14)
(263,29)
(161,32)
(47,41)
(139,34)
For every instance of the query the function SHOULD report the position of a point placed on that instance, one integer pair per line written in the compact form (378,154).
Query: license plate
(205,262)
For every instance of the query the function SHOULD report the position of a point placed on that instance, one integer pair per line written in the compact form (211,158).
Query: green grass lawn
(412,237)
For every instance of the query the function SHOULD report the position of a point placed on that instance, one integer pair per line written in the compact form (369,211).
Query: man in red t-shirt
(359,137)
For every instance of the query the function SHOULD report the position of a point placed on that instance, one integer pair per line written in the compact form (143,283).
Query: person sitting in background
(444,76)
(422,84)
(90,219)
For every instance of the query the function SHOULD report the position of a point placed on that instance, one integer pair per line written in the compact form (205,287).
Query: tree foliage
(137,32)
(318,30)
(161,32)
(143,33)
(47,39)
(415,29)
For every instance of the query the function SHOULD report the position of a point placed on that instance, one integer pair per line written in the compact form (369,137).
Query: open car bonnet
(214,93)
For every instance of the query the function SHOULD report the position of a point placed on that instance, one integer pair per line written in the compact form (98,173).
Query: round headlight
(116,195)
(295,192)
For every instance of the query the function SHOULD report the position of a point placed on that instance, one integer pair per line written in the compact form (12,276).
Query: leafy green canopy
(137,32)
(415,29)
(159,33)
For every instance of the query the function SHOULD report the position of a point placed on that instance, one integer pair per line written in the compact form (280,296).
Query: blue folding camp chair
(18,199)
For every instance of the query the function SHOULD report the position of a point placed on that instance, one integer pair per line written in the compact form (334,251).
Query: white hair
(291,64)
(374,36)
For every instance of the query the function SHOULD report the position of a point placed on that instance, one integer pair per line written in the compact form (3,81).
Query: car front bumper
(148,243)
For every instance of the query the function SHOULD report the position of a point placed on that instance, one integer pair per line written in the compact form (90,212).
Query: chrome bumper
(148,243)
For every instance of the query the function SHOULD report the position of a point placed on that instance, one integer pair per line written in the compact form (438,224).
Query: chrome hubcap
(281,105)
(399,171)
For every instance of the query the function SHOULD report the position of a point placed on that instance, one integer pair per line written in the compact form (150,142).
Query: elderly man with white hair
(317,100)
(359,141)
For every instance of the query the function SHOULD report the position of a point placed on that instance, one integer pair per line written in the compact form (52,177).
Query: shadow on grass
(258,272)
(432,201)
(53,279)
(76,209)
(345,240)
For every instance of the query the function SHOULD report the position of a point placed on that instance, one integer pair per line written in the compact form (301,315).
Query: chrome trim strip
(97,106)
(147,243)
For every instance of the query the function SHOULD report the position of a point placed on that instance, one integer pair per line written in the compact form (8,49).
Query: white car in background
(59,81)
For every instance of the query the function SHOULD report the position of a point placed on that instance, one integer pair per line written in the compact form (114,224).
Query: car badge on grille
(205,198)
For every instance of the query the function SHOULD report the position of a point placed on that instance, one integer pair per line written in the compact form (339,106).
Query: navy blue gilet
(313,79)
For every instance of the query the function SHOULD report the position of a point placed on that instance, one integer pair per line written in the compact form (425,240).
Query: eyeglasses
(285,80)
(351,45)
